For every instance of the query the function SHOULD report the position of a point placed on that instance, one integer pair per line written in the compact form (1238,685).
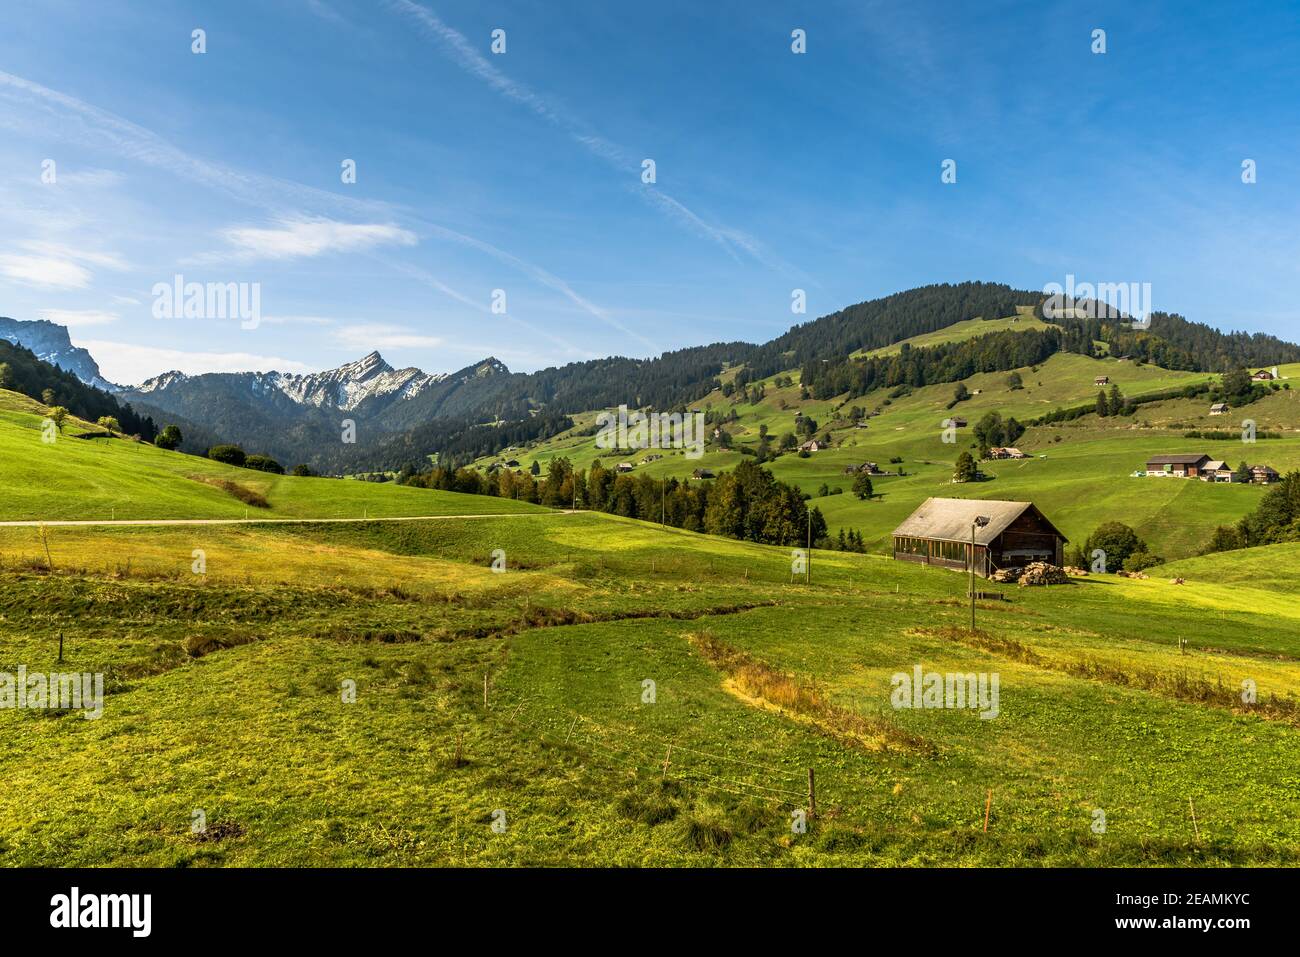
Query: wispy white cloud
(426,278)
(325,11)
(295,239)
(373,335)
(44,272)
(297,233)
(129,362)
(48,265)
(77,318)
(469,59)
(64,251)
(297,321)
(76,121)
(540,275)
(92,178)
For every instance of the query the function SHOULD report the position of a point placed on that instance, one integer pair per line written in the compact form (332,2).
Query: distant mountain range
(401,416)
(367,380)
(302,418)
(295,418)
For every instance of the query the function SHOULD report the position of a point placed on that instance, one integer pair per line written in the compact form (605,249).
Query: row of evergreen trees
(747,503)
(947,362)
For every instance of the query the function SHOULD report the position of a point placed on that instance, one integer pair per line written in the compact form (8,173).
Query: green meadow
(103,479)
(225,696)
(500,684)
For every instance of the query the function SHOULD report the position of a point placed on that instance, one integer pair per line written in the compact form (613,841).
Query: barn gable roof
(1185,458)
(949,519)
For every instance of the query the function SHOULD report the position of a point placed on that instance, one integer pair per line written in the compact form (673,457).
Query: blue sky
(522,171)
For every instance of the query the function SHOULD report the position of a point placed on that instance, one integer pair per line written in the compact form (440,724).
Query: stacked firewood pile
(1035,573)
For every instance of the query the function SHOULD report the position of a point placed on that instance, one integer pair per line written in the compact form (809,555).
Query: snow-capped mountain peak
(350,384)
(50,343)
(164,380)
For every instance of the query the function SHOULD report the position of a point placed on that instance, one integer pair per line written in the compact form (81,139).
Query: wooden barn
(1015,533)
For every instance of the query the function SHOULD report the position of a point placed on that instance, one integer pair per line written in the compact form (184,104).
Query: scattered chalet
(813,445)
(1216,471)
(1010,452)
(939,533)
(1188,465)
(702,474)
(1219,408)
(1195,465)
(624,467)
(1263,375)
(1101,380)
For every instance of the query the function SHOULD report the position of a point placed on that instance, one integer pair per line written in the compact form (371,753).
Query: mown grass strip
(757,682)
(1177,685)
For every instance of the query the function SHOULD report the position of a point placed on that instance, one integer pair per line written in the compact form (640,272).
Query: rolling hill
(1079,471)
(521,696)
(116,478)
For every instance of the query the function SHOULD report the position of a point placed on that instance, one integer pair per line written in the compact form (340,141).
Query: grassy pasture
(104,479)
(224,696)
(1080,472)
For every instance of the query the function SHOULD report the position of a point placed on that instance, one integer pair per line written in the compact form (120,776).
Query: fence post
(812,795)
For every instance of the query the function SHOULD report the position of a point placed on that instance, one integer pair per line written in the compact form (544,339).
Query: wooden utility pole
(972,601)
(485,689)
(60,646)
(979,522)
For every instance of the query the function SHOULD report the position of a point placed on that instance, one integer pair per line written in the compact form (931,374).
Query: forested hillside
(21,371)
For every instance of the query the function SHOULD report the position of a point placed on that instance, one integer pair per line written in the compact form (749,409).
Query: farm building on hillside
(1219,408)
(1216,471)
(940,533)
(1010,452)
(1263,375)
(1187,465)
(812,445)
(1101,380)
(1263,475)
(624,467)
